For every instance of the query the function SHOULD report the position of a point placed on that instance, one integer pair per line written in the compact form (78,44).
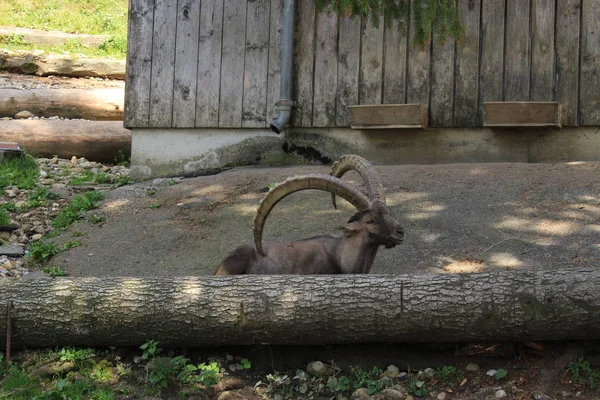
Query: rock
(472,367)
(360,394)
(8,265)
(229,383)
(491,372)
(441,396)
(390,394)
(226,395)
(4,235)
(11,251)
(409,397)
(541,396)
(428,373)
(500,394)
(318,369)
(36,237)
(391,372)
(55,368)
(402,374)
(24,114)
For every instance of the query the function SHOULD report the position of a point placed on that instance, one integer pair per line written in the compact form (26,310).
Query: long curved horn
(295,184)
(351,162)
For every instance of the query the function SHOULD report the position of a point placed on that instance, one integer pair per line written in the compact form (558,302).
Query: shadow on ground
(458,218)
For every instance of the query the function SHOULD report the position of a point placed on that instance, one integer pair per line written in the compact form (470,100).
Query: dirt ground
(457,218)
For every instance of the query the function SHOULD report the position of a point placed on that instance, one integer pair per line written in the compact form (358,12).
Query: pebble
(23,114)
(391,372)
(500,394)
(441,396)
(472,367)
(32,225)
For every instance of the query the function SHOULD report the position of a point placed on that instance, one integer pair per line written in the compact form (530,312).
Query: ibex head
(377,225)
(373,220)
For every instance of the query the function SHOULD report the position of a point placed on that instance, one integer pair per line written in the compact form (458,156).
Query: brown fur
(353,253)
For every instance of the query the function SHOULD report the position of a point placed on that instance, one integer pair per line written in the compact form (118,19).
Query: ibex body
(351,253)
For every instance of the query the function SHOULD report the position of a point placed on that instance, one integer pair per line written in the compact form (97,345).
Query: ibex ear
(351,228)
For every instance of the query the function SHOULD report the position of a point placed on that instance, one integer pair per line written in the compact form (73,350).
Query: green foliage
(367,379)
(150,349)
(4,219)
(54,271)
(448,375)
(13,39)
(10,207)
(75,210)
(155,205)
(20,171)
(501,373)
(418,388)
(121,158)
(97,219)
(123,180)
(71,244)
(243,364)
(583,373)
(18,385)
(42,251)
(209,374)
(439,17)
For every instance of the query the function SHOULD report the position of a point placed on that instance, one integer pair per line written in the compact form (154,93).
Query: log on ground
(93,104)
(95,140)
(211,311)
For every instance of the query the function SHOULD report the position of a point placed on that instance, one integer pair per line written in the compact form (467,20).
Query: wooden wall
(215,63)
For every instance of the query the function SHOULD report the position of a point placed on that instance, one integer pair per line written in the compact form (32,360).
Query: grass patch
(81,16)
(22,172)
(42,251)
(4,220)
(54,271)
(75,210)
(38,198)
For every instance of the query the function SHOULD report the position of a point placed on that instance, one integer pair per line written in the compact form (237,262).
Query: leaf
(501,373)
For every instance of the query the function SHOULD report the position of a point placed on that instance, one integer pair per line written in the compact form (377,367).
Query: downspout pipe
(287,59)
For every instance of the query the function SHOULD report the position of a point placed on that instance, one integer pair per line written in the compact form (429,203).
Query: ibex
(353,253)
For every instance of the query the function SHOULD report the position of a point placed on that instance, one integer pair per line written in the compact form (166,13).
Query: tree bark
(94,140)
(212,311)
(97,104)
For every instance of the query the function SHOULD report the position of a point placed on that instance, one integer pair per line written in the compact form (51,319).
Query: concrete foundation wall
(170,152)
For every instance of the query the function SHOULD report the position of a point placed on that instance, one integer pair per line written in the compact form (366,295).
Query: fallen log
(93,104)
(95,140)
(211,311)
(41,64)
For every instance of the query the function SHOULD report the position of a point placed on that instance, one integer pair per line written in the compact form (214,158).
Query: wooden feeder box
(388,116)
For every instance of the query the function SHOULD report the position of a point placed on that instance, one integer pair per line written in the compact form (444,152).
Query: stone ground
(458,218)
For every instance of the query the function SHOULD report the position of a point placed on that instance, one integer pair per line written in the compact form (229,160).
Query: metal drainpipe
(287,58)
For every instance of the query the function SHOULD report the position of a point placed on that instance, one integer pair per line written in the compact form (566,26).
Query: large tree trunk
(97,104)
(303,309)
(94,140)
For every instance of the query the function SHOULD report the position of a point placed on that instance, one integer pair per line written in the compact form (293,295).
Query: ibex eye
(370,222)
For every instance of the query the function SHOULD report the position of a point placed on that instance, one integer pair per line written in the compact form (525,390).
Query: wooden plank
(325,69)
(542,50)
(186,64)
(304,56)
(232,64)
(589,96)
(370,80)
(442,83)
(524,113)
(394,64)
(467,66)
(348,68)
(387,116)
(254,107)
(274,69)
(516,63)
(418,65)
(567,51)
(137,89)
(492,51)
(209,63)
(163,64)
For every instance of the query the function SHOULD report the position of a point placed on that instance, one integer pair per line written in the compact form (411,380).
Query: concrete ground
(457,217)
